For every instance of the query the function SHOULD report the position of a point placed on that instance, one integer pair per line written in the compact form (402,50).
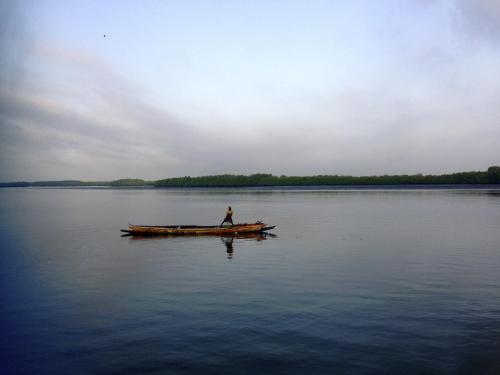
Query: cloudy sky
(99,90)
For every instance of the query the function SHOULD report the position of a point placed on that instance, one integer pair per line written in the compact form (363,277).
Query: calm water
(356,282)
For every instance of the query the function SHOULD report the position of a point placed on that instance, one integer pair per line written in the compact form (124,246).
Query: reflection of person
(229,247)
(229,217)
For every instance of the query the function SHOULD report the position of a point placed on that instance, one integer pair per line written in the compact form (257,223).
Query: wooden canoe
(180,230)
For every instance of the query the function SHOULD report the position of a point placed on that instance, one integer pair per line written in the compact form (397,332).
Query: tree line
(491,176)
(126,182)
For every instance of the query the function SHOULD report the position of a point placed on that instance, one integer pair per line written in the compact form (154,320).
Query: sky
(101,90)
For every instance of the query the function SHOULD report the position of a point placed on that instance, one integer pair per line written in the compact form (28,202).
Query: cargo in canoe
(196,229)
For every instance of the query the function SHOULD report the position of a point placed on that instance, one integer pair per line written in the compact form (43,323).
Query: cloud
(481,17)
(16,41)
(114,130)
(430,108)
(94,131)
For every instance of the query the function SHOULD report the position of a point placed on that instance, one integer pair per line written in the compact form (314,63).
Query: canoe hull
(190,230)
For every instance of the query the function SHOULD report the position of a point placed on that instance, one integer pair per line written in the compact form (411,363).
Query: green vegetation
(494,175)
(259,179)
(66,183)
(14,184)
(491,176)
(128,182)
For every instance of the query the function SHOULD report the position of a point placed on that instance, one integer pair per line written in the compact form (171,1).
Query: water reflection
(227,240)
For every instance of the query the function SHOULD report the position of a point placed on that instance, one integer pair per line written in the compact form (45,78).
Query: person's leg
(231,221)
(227,219)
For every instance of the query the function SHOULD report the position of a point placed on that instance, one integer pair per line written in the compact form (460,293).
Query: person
(228,218)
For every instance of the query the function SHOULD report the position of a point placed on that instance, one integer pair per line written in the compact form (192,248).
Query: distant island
(490,176)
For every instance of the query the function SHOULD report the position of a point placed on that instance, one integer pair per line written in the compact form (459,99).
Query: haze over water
(357,282)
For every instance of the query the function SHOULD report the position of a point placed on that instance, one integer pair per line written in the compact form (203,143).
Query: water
(356,282)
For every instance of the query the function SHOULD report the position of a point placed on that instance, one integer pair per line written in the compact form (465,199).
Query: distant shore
(478,178)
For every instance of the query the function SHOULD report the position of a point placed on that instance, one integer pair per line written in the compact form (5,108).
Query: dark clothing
(227,219)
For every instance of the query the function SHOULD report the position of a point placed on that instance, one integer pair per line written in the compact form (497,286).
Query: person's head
(229,208)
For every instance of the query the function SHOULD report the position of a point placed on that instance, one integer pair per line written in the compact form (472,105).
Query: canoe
(180,230)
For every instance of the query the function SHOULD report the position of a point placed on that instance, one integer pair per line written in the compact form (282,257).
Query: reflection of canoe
(197,229)
(258,236)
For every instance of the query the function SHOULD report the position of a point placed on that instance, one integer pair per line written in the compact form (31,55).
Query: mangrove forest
(490,176)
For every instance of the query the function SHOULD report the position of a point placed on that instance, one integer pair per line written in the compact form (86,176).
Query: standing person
(228,218)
